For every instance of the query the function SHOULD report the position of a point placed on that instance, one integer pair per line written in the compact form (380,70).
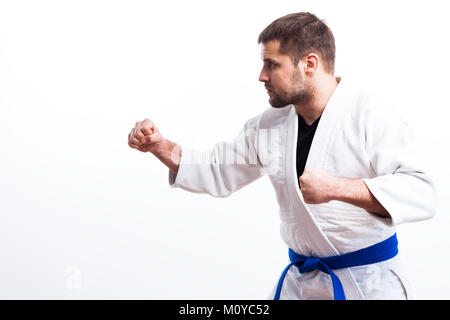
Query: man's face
(284,81)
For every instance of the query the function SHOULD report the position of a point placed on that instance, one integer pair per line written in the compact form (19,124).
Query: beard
(301,94)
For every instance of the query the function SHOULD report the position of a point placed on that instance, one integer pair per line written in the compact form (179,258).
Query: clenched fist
(145,136)
(317,186)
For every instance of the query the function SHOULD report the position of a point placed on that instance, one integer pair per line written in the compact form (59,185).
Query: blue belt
(378,252)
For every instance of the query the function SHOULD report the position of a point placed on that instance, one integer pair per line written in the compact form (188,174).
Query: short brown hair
(299,34)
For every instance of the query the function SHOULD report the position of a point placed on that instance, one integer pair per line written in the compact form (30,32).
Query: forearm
(355,192)
(169,153)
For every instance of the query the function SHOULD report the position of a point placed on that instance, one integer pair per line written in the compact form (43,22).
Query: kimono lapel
(330,122)
(315,240)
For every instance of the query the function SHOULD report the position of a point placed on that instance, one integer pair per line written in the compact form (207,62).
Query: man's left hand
(317,186)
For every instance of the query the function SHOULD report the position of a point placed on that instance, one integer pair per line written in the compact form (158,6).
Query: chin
(278,104)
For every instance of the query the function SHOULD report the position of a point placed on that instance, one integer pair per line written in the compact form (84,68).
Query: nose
(263,77)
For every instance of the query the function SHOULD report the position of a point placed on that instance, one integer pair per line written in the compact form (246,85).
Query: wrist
(160,147)
(339,190)
(168,153)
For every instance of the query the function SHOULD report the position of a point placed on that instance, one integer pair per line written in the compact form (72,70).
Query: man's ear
(310,63)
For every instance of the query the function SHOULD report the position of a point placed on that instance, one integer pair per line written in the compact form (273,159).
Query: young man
(342,165)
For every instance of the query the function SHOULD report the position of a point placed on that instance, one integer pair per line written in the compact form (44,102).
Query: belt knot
(308,265)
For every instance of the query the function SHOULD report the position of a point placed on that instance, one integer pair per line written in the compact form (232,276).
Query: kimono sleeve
(220,171)
(401,184)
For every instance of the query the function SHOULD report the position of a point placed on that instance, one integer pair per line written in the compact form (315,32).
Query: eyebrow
(270,60)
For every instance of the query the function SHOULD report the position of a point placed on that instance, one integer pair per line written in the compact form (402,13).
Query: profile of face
(285,82)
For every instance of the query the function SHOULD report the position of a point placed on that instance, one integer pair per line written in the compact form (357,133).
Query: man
(342,165)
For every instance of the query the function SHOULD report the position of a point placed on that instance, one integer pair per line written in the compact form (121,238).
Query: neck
(323,89)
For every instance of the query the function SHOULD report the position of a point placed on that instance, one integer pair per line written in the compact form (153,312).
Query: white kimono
(355,138)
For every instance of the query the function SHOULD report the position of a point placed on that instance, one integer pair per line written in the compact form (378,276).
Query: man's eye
(271,65)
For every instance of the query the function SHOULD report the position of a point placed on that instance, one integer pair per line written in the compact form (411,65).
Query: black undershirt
(304,140)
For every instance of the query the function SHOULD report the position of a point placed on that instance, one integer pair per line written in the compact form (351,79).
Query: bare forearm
(169,153)
(355,192)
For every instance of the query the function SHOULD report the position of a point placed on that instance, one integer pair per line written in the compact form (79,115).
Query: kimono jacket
(357,137)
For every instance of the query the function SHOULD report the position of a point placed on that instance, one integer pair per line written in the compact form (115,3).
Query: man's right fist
(145,136)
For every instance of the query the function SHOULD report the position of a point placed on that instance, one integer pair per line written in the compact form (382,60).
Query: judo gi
(356,137)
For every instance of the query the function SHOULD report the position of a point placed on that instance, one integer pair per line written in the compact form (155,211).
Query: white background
(84,216)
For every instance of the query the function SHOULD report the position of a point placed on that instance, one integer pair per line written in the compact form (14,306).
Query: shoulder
(377,113)
(372,103)
(269,118)
(274,117)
